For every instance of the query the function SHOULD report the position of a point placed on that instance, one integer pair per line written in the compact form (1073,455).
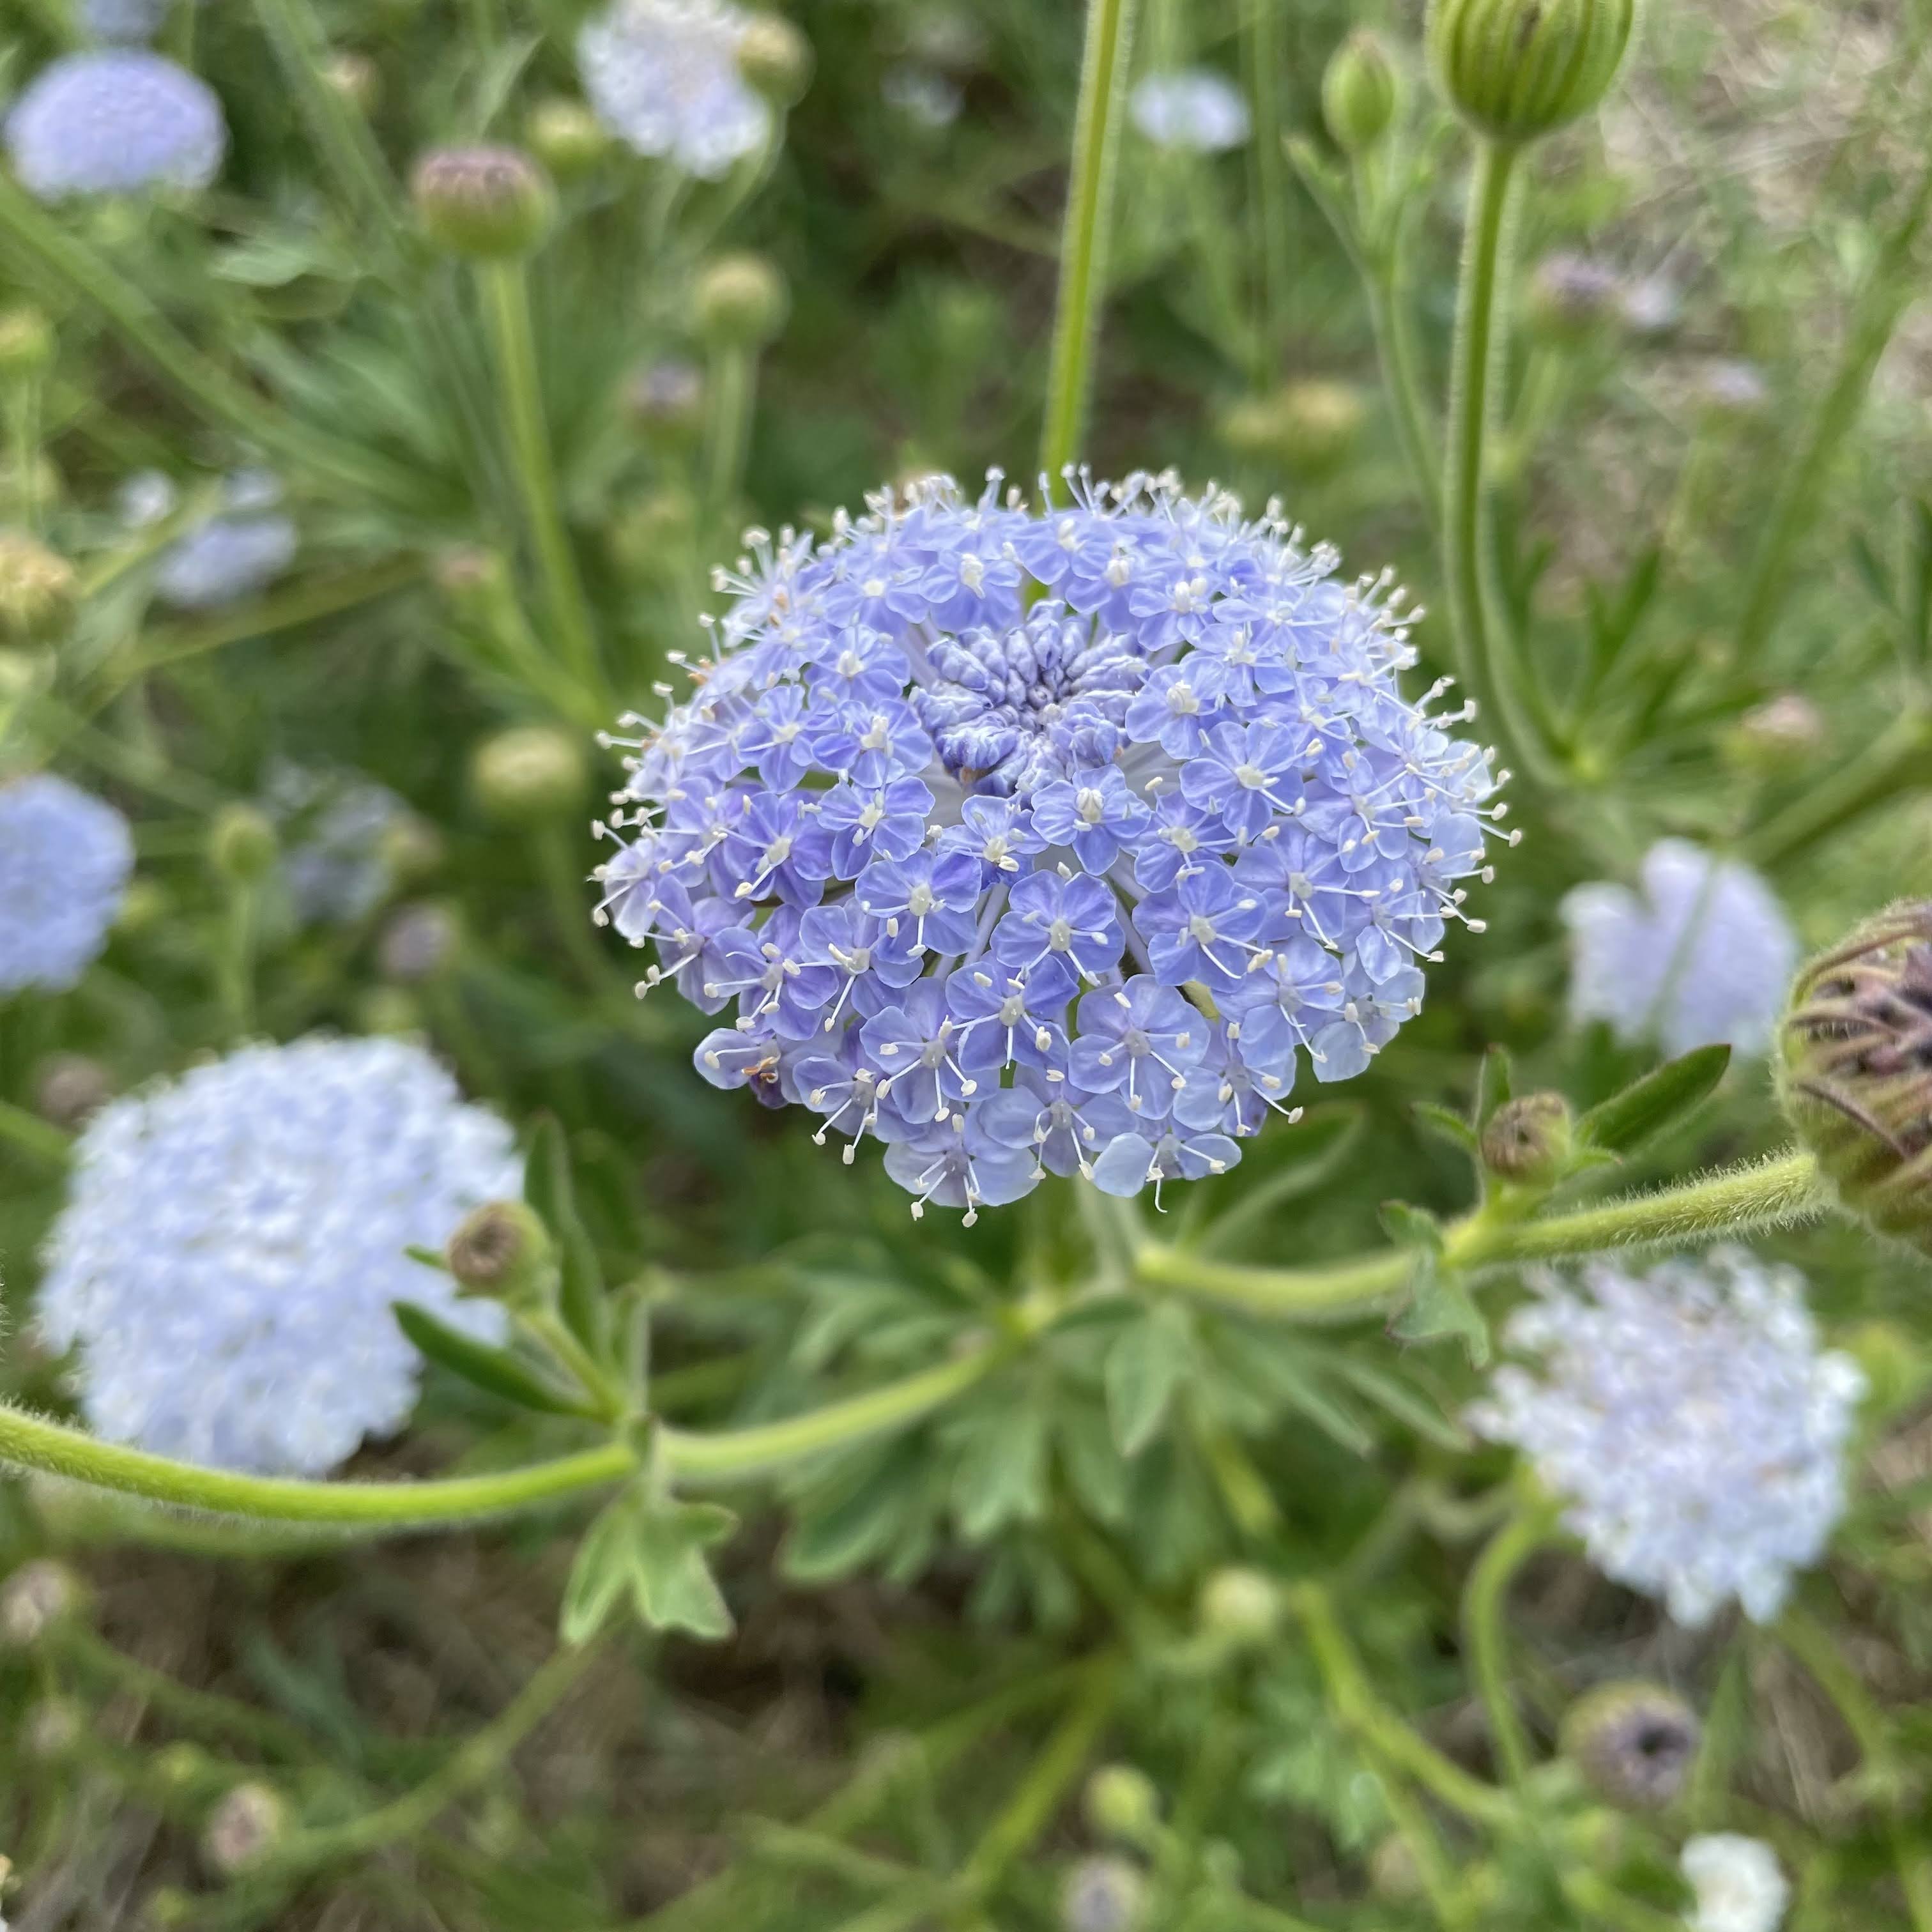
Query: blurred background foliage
(938,1637)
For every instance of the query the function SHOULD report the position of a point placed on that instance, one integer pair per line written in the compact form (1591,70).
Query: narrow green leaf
(1440,1304)
(495,1370)
(1404,1402)
(1411,1227)
(547,1188)
(1494,1080)
(601,1571)
(1445,1126)
(1301,1390)
(861,1518)
(1659,1100)
(1144,1367)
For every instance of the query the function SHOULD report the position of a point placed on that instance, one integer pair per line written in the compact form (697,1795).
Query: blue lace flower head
(1031,840)
(114,120)
(64,860)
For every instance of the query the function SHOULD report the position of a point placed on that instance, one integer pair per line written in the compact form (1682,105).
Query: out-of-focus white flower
(115,120)
(145,499)
(922,94)
(233,555)
(232,1243)
(663,76)
(335,830)
(1689,1423)
(1195,109)
(1739,1885)
(64,859)
(1699,954)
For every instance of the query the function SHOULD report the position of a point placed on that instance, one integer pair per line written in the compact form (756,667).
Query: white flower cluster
(234,554)
(663,76)
(1739,1885)
(1699,954)
(64,859)
(1689,1423)
(1194,110)
(233,1243)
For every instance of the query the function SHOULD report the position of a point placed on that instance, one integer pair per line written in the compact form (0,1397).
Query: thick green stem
(728,430)
(32,1442)
(1890,289)
(505,287)
(1483,1600)
(1734,1201)
(1485,660)
(1089,213)
(1262,46)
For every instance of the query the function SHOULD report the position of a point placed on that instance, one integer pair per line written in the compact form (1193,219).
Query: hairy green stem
(1262,45)
(1089,212)
(33,1442)
(505,287)
(1483,1600)
(1889,290)
(727,429)
(1734,1201)
(1486,659)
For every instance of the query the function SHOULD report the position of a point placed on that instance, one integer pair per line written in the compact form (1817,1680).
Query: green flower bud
(566,137)
(1358,91)
(1894,1367)
(1771,738)
(501,1249)
(1120,1802)
(37,1598)
(356,78)
(1307,428)
(1855,1070)
(530,772)
(1634,1743)
(1517,70)
(184,1767)
(1528,1140)
(1240,1608)
(739,301)
(485,203)
(70,1088)
(54,1728)
(37,590)
(26,344)
(774,58)
(1394,1876)
(242,844)
(1103,1895)
(167,1906)
(250,1821)
(392,1011)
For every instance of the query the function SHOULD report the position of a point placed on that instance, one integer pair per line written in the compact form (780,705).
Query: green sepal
(1646,1107)
(495,1371)
(548,1188)
(651,1547)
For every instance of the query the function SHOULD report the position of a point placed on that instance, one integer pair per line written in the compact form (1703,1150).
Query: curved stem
(505,287)
(1483,1602)
(1083,249)
(1769,1193)
(32,1442)
(1485,661)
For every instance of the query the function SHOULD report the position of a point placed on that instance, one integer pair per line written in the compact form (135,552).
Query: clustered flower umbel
(114,120)
(1688,1422)
(1194,110)
(1699,954)
(662,75)
(232,1243)
(64,859)
(968,795)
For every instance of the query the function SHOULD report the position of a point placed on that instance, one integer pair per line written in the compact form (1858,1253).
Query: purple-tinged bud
(1855,1070)
(1634,1743)
(69,1088)
(485,203)
(1528,1140)
(1358,91)
(1103,1895)
(1571,299)
(243,1828)
(665,400)
(418,941)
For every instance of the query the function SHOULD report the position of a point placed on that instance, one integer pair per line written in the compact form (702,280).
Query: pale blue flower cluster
(338,830)
(1700,954)
(234,554)
(1194,110)
(1029,840)
(662,75)
(232,1243)
(114,120)
(64,859)
(1689,1423)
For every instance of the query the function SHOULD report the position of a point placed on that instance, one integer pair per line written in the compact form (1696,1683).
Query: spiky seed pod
(1528,1140)
(485,203)
(1518,69)
(501,1249)
(1634,1744)
(739,301)
(1358,91)
(530,771)
(1855,1070)
(37,590)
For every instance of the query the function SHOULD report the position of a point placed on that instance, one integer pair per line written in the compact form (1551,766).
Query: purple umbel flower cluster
(1031,840)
